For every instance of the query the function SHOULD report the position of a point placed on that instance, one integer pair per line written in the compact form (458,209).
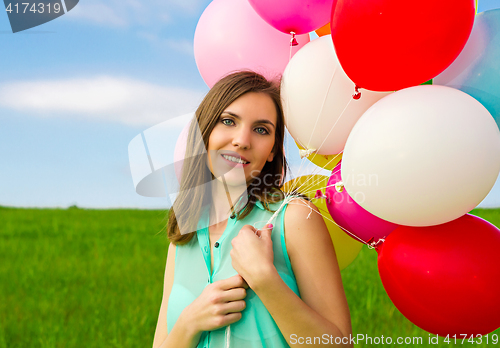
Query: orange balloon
(324,30)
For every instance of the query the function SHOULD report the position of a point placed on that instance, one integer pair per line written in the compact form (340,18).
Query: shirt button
(206,249)
(216,244)
(233,216)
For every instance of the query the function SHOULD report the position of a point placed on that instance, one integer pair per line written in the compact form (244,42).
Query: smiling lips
(234,159)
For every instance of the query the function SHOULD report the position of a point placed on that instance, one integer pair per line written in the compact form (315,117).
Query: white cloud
(122,100)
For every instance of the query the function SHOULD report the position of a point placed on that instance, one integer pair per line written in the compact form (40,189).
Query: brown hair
(189,201)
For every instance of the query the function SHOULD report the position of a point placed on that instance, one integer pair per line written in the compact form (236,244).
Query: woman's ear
(271,156)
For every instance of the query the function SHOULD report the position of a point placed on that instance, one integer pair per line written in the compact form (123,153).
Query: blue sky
(91,81)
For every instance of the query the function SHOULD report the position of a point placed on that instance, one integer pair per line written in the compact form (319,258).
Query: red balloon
(386,45)
(445,278)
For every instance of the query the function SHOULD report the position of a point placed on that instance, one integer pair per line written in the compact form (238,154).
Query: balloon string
(322,106)
(375,245)
(289,196)
(228,336)
(315,171)
(331,129)
(326,216)
(372,244)
(288,200)
(288,123)
(318,169)
(306,182)
(291,45)
(319,115)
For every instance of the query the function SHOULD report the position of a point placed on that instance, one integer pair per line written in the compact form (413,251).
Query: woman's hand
(219,305)
(252,254)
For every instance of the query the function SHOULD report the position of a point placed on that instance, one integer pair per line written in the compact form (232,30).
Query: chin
(234,180)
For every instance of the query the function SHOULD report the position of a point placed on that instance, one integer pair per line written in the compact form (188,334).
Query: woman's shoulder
(301,211)
(303,221)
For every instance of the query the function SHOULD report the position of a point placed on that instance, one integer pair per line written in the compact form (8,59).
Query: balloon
(324,30)
(351,217)
(386,45)
(327,162)
(298,16)
(346,248)
(445,278)
(317,99)
(476,71)
(405,156)
(230,37)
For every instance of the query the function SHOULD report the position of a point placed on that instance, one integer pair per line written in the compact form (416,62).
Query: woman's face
(242,141)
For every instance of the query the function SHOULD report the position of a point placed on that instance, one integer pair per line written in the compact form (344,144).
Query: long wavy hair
(193,193)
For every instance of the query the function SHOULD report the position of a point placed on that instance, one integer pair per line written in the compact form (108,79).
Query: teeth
(234,159)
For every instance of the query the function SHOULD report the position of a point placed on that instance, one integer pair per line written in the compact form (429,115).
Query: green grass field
(93,278)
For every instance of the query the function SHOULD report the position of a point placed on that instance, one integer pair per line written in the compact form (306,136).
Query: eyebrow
(258,121)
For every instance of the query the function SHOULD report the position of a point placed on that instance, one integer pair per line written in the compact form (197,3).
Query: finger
(231,318)
(266,231)
(235,281)
(249,228)
(236,294)
(233,307)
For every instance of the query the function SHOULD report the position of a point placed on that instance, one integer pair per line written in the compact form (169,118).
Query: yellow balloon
(324,161)
(346,247)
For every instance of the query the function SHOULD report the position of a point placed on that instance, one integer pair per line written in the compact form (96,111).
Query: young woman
(276,286)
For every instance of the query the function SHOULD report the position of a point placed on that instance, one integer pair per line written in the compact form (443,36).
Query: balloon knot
(357,93)
(306,152)
(339,186)
(375,245)
(293,40)
(319,195)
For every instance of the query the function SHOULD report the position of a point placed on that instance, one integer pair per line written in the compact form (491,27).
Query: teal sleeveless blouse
(256,328)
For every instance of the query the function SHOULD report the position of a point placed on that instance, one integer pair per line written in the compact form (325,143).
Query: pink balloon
(299,16)
(351,216)
(231,36)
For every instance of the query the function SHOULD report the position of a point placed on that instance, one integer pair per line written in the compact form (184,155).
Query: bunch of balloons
(415,158)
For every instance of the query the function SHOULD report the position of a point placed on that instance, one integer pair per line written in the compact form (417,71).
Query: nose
(242,138)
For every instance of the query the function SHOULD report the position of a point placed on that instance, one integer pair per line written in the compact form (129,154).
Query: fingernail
(270,226)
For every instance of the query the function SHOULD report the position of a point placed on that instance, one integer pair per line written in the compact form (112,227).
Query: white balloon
(317,98)
(422,156)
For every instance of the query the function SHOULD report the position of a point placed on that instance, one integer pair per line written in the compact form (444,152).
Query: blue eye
(227,122)
(261,130)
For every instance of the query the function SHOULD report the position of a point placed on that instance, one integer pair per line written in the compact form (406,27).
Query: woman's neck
(224,199)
